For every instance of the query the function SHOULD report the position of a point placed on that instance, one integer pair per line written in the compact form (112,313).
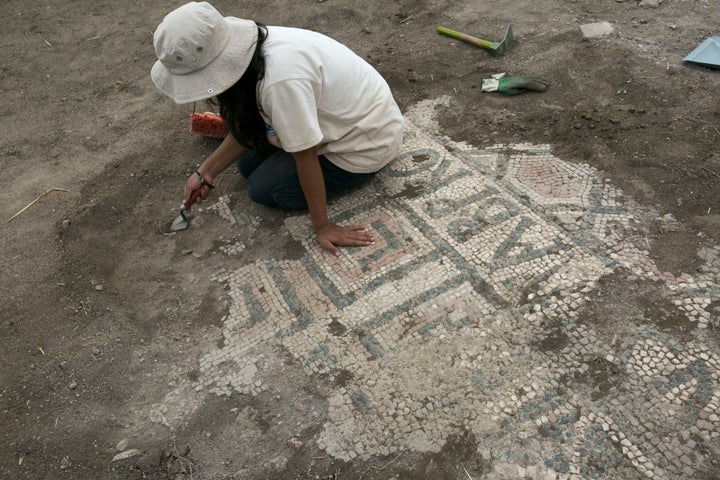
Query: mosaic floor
(478,252)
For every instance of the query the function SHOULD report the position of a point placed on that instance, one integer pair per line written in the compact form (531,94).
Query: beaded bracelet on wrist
(202,179)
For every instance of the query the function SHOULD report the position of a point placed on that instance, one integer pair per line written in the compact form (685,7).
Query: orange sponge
(208,125)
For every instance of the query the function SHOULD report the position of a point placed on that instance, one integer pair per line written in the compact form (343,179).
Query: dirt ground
(99,302)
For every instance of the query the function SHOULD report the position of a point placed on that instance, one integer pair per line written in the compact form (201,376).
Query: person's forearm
(313,185)
(223,156)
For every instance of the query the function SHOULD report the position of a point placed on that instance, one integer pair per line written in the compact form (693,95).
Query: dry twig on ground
(34,201)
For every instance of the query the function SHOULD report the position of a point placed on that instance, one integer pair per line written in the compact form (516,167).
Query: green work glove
(514,85)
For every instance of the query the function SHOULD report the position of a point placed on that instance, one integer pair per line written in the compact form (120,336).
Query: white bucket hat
(201,53)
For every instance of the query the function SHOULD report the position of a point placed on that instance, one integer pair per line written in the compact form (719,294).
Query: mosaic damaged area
(469,316)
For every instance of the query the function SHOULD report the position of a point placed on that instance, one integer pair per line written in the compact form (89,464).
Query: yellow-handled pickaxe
(498,48)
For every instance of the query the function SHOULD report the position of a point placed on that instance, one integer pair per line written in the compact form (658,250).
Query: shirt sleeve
(291,107)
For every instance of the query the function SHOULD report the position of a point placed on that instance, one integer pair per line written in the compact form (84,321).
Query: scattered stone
(122,445)
(650,3)
(595,30)
(73,386)
(133,452)
(99,287)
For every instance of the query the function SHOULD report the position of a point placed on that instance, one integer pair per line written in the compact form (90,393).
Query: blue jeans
(272,178)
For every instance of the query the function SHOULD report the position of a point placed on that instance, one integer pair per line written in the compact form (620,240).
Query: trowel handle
(185,207)
(465,38)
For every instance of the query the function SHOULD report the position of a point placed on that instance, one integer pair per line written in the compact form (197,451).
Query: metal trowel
(182,222)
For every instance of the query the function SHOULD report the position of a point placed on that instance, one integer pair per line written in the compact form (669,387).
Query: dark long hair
(238,104)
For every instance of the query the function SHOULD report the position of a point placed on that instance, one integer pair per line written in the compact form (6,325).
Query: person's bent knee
(289,200)
(275,196)
(260,193)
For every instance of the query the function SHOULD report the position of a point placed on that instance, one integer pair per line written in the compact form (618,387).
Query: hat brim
(217,76)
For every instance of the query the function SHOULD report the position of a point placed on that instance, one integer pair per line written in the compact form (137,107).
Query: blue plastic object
(706,54)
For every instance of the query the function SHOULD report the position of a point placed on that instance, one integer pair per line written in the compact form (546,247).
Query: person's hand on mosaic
(331,235)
